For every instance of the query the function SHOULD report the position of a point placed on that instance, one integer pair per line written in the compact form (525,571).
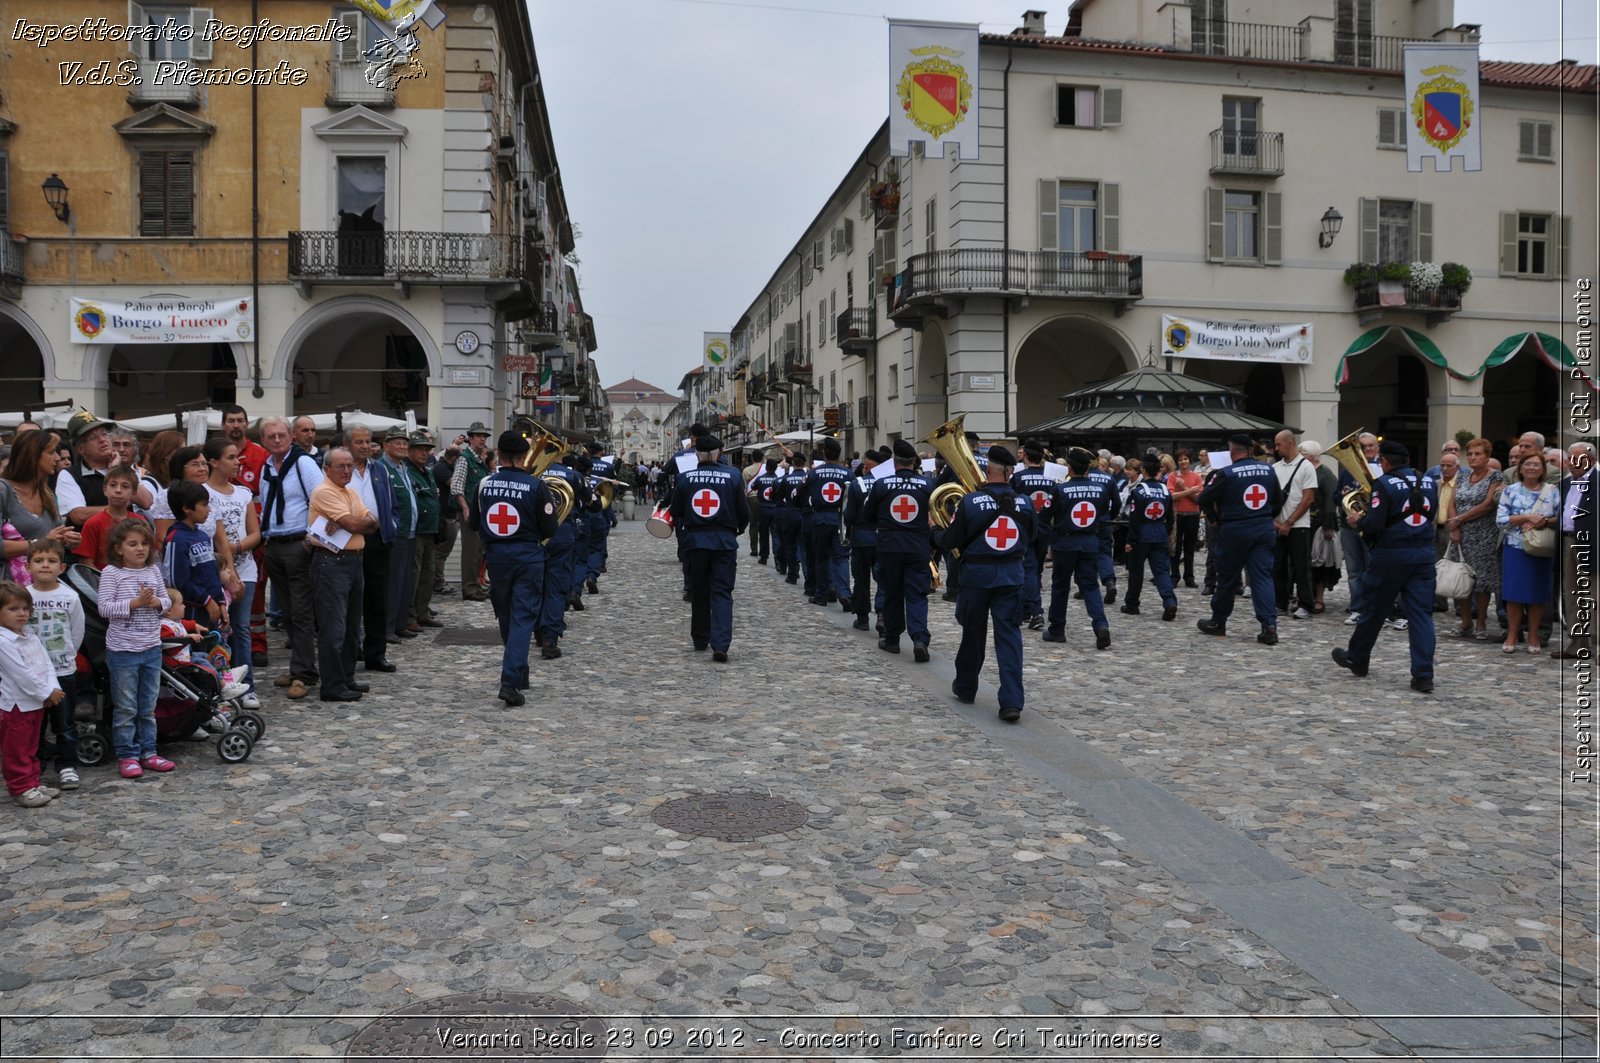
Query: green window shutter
(1272,228)
(1048,233)
(1216,213)
(1508,243)
(1563,244)
(1369,230)
(1110,217)
(1110,107)
(1423,217)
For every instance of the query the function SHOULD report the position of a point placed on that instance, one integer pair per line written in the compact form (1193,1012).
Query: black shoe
(701,647)
(844,605)
(550,651)
(1102,639)
(949,596)
(889,647)
(404,634)
(1036,622)
(392,639)
(361,688)
(761,561)
(878,623)
(429,622)
(832,597)
(1422,686)
(861,624)
(575,603)
(1111,595)
(1268,636)
(1211,627)
(965,699)
(1341,657)
(1131,610)
(688,596)
(720,656)
(1011,715)
(817,599)
(538,639)
(919,652)
(1053,637)
(594,586)
(786,579)
(511,697)
(342,695)
(381,665)
(1189,583)
(1169,613)
(1077,596)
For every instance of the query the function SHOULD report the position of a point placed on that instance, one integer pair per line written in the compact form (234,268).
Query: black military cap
(1241,439)
(1394,450)
(1079,458)
(999,455)
(904,451)
(596,448)
(831,449)
(707,443)
(513,443)
(1034,450)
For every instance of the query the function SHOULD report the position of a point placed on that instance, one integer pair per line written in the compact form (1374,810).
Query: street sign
(519,363)
(830,418)
(530,385)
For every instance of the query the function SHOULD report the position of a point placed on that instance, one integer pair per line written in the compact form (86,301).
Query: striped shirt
(132,630)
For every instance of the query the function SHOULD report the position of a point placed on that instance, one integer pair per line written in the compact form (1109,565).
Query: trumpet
(950,440)
(1347,452)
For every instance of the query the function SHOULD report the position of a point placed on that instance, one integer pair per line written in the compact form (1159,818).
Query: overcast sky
(697,138)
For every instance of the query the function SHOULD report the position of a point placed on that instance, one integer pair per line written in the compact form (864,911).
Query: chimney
(1032,24)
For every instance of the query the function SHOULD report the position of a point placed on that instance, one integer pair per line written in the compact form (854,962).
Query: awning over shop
(1555,353)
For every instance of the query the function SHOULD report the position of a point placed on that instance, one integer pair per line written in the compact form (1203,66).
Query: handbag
(1540,542)
(1453,577)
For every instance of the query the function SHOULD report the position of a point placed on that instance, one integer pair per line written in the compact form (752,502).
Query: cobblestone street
(1241,849)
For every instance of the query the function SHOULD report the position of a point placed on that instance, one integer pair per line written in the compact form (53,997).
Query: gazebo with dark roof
(1152,407)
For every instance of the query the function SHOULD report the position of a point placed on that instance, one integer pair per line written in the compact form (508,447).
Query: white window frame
(1394,119)
(930,213)
(1529,133)
(1107,105)
(1557,241)
(1241,222)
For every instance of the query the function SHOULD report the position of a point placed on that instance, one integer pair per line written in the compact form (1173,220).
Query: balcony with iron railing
(12,274)
(930,280)
(1436,302)
(405,257)
(1246,154)
(857,329)
(1314,40)
(1248,40)
(348,83)
(541,331)
(164,81)
(755,389)
(797,368)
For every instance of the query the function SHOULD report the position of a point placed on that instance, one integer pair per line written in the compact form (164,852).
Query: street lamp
(55,194)
(813,396)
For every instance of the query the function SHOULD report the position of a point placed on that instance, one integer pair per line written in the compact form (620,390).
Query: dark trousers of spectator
(374,600)
(289,569)
(400,582)
(471,563)
(1292,562)
(449,532)
(61,721)
(339,582)
(1188,541)
(1209,576)
(422,571)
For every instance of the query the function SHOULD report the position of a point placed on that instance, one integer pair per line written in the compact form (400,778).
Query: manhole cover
(506,1026)
(730,817)
(468,636)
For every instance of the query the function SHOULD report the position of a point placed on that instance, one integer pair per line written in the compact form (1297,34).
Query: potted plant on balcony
(1456,277)
(885,196)
(1360,275)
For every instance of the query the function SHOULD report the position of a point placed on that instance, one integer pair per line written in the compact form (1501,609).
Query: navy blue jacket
(513,510)
(1150,512)
(863,532)
(1244,491)
(1040,491)
(709,507)
(898,507)
(992,531)
(1400,514)
(761,485)
(814,496)
(1082,507)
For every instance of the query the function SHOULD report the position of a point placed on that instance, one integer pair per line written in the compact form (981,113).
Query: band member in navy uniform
(1151,519)
(991,532)
(787,494)
(1400,514)
(762,507)
(1247,494)
(898,505)
(513,511)
(670,470)
(710,510)
(1108,537)
(1034,486)
(580,466)
(558,567)
(823,501)
(862,536)
(1081,507)
(601,518)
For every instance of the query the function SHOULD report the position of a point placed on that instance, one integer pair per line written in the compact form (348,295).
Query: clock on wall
(466,341)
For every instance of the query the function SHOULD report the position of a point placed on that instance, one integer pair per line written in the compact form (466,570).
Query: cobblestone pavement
(426,841)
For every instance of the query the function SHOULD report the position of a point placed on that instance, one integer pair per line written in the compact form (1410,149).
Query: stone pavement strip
(1239,850)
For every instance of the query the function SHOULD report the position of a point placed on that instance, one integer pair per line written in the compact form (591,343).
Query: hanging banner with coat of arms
(715,347)
(1236,341)
(164,318)
(933,87)
(1442,107)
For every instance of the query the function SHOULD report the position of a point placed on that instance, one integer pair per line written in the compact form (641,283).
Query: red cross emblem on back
(1154,511)
(503,519)
(1083,514)
(1416,520)
(706,502)
(1041,500)
(831,492)
(766,494)
(904,509)
(1002,534)
(1255,496)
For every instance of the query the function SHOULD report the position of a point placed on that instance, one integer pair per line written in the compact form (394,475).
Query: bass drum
(659,522)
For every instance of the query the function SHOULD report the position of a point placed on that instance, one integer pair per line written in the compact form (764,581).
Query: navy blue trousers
(1084,566)
(974,607)
(1246,545)
(1160,561)
(787,532)
(905,581)
(1412,583)
(558,553)
(711,575)
(516,588)
(862,562)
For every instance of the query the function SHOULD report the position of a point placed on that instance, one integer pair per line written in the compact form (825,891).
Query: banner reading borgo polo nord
(933,87)
(164,317)
(1235,341)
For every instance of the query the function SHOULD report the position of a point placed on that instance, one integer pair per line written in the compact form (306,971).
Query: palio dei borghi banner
(1236,341)
(164,318)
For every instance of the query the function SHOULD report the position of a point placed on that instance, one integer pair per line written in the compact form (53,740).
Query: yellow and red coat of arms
(1441,108)
(935,92)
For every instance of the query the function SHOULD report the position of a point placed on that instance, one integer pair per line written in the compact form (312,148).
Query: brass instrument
(1347,452)
(950,440)
(545,450)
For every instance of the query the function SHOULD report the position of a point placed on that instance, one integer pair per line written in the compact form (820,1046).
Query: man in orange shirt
(338,523)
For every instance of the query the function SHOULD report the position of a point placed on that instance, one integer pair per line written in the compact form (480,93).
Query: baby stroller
(190,696)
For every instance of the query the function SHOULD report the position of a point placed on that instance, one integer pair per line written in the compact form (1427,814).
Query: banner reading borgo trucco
(164,318)
(1236,341)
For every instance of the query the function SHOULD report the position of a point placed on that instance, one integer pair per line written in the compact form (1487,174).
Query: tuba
(950,440)
(546,449)
(1347,452)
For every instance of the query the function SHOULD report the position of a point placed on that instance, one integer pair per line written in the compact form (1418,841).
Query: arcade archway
(930,405)
(1384,389)
(146,378)
(362,351)
(1063,355)
(1521,393)
(21,367)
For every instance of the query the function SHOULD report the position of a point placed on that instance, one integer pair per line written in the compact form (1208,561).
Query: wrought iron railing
(1371,51)
(1436,298)
(755,388)
(347,83)
(1248,40)
(1246,153)
(165,81)
(857,327)
(797,369)
(11,269)
(405,255)
(981,271)
(542,329)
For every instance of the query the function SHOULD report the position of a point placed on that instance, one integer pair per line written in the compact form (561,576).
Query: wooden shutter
(1369,230)
(1508,243)
(166,193)
(1110,107)
(1272,228)
(349,51)
(199,47)
(1216,215)
(1563,240)
(1525,139)
(136,44)
(1543,140)
(1110,217)
(1048,205)
(1422,231)
(1391,127)
(849,236)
